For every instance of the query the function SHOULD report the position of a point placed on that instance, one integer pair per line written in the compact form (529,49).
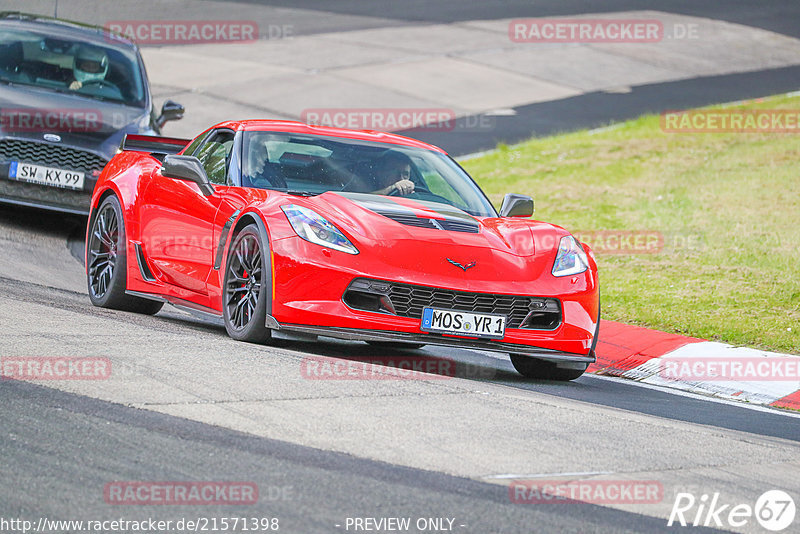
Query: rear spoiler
(153,144)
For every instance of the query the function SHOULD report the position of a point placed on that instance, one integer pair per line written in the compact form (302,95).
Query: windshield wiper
(295,192)
(300,193)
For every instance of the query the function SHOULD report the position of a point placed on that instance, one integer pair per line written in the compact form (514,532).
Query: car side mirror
(516,206)
(187,168)
(170,111)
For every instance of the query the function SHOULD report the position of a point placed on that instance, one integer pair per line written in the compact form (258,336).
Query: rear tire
(543,370)
(107,263)
(246,288)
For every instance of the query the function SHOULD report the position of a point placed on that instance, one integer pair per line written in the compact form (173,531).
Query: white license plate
(37,174)
(463,323)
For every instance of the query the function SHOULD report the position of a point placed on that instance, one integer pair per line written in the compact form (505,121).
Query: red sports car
(359,235)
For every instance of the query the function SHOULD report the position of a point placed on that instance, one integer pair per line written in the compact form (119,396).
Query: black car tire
(106,256)
(543,370)
(246,286)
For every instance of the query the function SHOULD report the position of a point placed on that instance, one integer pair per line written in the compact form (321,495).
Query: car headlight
(313,227)
(571,258)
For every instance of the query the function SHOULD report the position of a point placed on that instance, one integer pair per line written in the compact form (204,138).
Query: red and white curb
(698,366)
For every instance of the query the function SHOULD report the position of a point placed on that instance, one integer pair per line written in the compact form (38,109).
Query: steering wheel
(102,84)
(396,192)
(270,176)
(278,181)
(418,188)
(422,194)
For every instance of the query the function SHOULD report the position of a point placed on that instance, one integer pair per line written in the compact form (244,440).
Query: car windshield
(85,69)
(312,165)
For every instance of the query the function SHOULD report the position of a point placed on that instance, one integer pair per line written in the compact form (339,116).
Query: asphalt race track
(186,403)
(61,446)
(312,490)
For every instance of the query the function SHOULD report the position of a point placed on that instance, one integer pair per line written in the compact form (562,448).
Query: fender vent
(144,269)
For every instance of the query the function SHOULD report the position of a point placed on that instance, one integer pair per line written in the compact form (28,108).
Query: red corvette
(360,235)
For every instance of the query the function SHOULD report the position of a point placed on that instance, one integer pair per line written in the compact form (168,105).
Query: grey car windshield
(85,69)
(311,164)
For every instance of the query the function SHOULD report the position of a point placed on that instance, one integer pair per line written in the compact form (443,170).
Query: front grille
(50,155)
(408,300)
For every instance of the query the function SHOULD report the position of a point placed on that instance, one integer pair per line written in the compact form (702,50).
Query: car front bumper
(63,199)
(43,196)
(355,334)
(308,299)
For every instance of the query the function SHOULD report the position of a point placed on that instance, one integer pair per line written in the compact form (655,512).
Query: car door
(177,219)
(232,199)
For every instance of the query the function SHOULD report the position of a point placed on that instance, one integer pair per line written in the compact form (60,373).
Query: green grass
(727,204)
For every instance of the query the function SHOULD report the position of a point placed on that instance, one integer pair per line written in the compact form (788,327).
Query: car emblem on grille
(464,267)
(53,138)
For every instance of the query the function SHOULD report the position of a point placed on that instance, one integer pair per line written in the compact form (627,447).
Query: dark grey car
(69,92)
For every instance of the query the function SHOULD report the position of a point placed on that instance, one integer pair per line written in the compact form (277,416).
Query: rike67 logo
(774,510)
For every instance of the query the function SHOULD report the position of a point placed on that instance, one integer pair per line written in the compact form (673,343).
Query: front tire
(246,288)
(543,370)
(107,263)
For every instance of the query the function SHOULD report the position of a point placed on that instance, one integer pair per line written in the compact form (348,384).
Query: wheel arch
(246,219)
(98,201)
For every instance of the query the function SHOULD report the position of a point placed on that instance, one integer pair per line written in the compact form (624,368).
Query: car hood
(29,113)
(431,239)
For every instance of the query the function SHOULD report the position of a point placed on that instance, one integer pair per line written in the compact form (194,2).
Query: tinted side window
(215,155)
(192,148)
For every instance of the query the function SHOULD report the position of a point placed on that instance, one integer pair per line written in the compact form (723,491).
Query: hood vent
(434,224)
(419,213)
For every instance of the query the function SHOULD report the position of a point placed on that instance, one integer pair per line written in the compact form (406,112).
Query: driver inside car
(257,158)
(394,174)
(90,66)
(260,172)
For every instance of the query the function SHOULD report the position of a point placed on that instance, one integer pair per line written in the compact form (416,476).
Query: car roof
(267,125)
(66,29)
